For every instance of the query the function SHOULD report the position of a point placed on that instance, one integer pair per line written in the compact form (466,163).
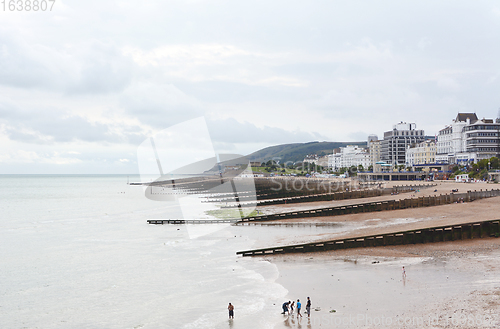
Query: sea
(77,252)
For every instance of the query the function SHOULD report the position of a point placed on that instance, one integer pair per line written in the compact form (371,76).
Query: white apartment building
(317,160)
(450,140)
(351,155)
(421,153)
(310,158)
(468,139)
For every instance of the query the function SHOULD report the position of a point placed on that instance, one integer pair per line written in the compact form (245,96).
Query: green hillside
(297,151)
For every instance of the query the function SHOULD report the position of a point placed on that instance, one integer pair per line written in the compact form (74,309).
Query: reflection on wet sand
(292,322)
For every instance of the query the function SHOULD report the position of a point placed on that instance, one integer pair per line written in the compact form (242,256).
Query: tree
(494,163)
(353,171)
(370,168)
(483,164)
(342,170)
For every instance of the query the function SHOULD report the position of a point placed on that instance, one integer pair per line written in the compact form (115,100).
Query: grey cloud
(159,105)
(103,69)
(225,91)
(88,68)
(232,131)
(54,129)
(74,128)
(49,125)
(19,66)
(16,134)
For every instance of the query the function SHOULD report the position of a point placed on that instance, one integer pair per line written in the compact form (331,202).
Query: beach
(447,284)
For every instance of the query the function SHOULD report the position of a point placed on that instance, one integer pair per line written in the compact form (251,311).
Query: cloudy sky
(83,85)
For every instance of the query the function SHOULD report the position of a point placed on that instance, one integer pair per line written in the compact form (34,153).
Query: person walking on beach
(299,306)
(231,311)
(404,272)
(308,307)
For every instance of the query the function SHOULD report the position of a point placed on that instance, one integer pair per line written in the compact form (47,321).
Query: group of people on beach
(288,307)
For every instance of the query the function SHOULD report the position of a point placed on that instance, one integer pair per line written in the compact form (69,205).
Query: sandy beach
(447,285)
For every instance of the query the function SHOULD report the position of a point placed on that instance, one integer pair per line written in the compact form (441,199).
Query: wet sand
(445,285)
(361,224)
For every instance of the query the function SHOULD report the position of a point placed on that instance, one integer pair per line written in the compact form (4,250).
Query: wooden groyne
(483,229)
(334,196)
(424,201)
(190,221)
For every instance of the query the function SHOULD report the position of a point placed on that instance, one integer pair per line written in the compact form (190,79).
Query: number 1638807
(27,5)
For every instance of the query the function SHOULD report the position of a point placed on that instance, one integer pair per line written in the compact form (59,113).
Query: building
(397,140)
(351,155)
(468,140)
(450,140)
(375,147)
(464,178)
(372,138)
(482,139)
(321,161)
(311,158)
(421,153)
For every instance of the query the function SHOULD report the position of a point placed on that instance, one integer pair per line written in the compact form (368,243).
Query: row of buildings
(466,140)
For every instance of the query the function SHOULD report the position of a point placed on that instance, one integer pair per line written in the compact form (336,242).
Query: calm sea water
(76,252)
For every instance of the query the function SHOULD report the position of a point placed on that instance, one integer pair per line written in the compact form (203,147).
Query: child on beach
(404,272)
(291,307)
(299,305)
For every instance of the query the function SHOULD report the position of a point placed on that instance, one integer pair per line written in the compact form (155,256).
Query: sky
(83,85)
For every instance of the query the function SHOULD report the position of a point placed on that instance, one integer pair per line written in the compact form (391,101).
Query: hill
(297,151)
